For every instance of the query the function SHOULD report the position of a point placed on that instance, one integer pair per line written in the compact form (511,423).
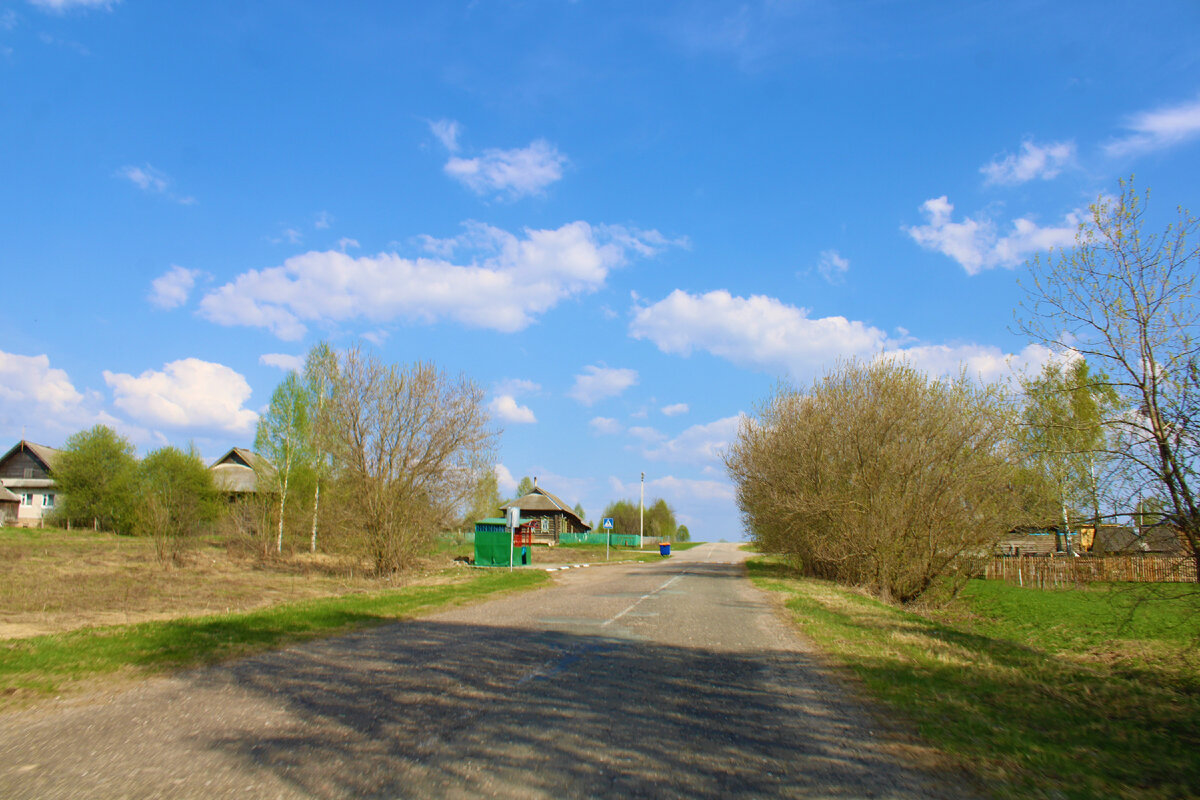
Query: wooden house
(27,472)
(550,514)
(1037,540)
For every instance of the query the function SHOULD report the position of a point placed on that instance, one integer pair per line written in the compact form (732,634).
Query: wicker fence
(1062,571)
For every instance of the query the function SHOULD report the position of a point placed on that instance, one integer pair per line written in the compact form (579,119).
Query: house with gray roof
(27,471)
(550,515)
(236,473)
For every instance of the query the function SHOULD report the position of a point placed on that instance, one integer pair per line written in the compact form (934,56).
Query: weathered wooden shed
(10,507)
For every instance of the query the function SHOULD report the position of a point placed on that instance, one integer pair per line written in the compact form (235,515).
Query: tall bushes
(879,476)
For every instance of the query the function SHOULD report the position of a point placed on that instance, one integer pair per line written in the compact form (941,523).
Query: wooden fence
(1062,571)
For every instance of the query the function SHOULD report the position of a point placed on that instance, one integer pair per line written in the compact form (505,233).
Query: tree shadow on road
(432,709)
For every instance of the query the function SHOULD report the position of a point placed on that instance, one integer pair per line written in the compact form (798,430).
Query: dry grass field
(53,580)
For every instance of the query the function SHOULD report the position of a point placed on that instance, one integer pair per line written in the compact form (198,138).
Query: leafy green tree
(177,500)
(624,515)
(682,534)
(284,440)
(97,476)
(660,520)
(579,511)
(485,498)
(1062,433)
(524,487)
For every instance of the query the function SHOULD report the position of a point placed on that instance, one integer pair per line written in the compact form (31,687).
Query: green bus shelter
(494,547)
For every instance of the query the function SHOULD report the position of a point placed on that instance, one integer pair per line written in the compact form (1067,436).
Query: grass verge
(47,665)
(1059,694)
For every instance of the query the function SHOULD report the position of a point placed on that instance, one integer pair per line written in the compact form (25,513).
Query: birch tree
(283,439)
(320,381)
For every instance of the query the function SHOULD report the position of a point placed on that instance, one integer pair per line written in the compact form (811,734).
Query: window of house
(48,501)
(27,499)
(29,472)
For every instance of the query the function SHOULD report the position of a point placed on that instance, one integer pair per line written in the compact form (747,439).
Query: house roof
(244,458)
(47,455)
(237,471)
(541,500)
(8,497)
(1155,539)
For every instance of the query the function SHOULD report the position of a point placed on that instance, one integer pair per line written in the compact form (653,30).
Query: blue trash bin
(664,548)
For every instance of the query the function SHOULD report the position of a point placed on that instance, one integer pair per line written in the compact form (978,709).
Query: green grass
(46,665)
(1061,694)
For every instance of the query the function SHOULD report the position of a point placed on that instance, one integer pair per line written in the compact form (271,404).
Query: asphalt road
(675,679)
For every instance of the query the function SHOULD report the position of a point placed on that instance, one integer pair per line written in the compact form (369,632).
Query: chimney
(535,481)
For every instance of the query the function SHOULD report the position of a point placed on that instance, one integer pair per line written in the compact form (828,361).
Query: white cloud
(675,409)
(505,407)
(505,480)
(647,434)
(447,132)
(982,362)
(832,266)
(605,425)
(1034,161)
(31,380)
(59,6)
(676,491)
(975,243)
(509,281)
(39,401)
(188,393)
(699,443)
(323,220)
(598,382)
(510,173)
(8,19)
(346,242)
(764,333)
(1154,130)
(516,386)
(376,337)
(146,178)
(282,361)
(171,289)
(152,181)
(757,331)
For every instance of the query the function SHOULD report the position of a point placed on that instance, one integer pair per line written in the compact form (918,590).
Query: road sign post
(513,519)
(607,524)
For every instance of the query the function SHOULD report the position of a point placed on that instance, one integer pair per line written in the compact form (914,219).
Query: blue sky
(626,224)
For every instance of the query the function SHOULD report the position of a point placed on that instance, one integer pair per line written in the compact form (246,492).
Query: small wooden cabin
(551,515)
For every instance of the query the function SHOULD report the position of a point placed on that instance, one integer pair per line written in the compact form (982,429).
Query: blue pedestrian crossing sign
(607,523)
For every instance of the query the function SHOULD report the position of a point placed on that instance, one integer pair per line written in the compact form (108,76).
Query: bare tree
(407,445)
(879,476)
(1126,300)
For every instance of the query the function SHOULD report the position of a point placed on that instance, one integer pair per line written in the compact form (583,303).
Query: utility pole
(642,514)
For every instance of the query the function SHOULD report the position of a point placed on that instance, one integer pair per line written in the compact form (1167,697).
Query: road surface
(674,679)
